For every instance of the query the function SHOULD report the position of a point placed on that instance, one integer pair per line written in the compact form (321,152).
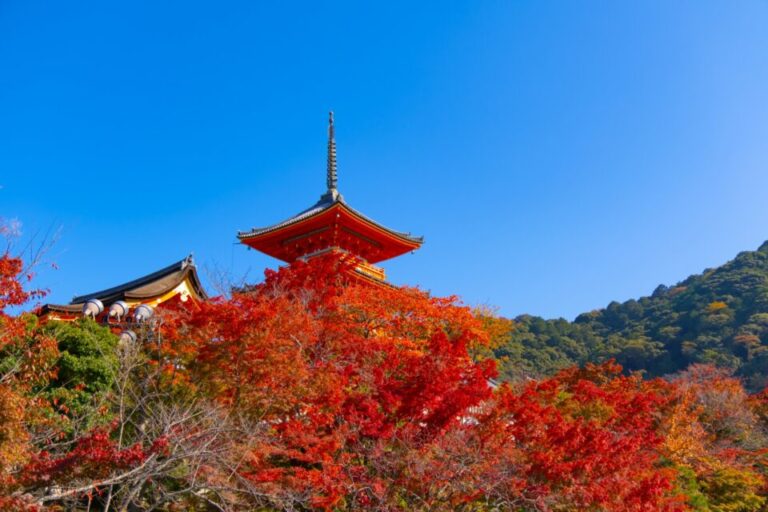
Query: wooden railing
(372,271)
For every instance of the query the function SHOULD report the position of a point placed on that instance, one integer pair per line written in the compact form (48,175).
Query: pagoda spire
(331,179)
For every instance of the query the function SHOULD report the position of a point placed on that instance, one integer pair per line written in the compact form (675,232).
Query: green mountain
(719,317)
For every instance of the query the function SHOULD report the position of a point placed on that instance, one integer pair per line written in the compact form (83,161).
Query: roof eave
(257,233)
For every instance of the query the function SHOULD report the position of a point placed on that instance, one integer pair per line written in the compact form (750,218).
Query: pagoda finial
(332,178)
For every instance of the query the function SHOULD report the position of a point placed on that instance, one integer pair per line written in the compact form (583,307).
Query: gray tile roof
(145,287)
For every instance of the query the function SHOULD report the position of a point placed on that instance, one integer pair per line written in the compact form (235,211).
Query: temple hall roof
(145,288)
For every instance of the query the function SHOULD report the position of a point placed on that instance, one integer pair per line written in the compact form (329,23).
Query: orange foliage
(374,402)
(347,396)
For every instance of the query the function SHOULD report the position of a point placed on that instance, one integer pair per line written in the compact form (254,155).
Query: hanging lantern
(118,309)
(143,313)
(93,308)
(127,337)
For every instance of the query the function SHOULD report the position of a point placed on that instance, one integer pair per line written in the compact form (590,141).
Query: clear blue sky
(555,155)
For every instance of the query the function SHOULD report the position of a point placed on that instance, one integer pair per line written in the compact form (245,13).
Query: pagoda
(331,225)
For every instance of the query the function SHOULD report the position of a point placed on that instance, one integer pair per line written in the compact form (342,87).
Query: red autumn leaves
(328,393)
(371,399)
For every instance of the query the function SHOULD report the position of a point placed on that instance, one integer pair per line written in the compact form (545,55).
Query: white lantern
(143,313)
(127,337)
(118,309)
(93,308)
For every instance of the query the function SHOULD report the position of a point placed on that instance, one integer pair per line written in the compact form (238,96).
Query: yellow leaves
(734,490)
(496,327)
(13,435)
(685,439)
(716,307)
(493,332)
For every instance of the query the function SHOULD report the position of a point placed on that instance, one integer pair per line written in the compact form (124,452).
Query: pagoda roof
(148,287)
(321,206)
(330,222)
(272,240)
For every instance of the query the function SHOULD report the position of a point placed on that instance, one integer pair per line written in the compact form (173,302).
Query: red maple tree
(368,398)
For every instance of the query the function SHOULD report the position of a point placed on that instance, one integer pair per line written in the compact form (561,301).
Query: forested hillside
(719,317)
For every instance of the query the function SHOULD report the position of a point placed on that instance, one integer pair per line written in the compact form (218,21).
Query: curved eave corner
(307,214)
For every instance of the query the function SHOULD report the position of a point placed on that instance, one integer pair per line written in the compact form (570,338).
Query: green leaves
(86,366)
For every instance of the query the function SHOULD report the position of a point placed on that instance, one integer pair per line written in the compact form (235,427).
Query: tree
(713,432)
(24,363)
(315,390)
(586,439)
(343,377)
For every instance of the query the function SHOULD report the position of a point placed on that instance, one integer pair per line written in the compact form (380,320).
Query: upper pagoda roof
(145,288)
(326,203)
(319,225)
